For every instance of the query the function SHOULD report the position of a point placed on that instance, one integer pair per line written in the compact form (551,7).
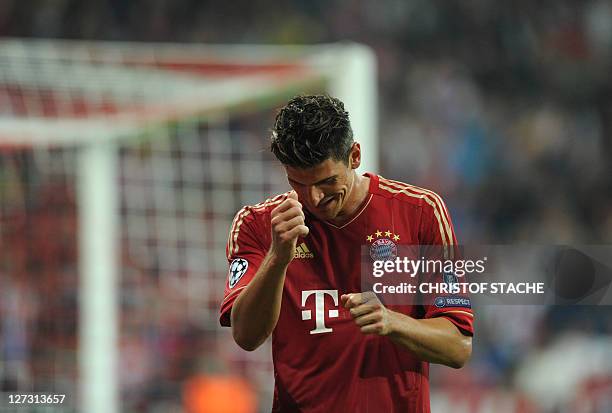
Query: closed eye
(327,181)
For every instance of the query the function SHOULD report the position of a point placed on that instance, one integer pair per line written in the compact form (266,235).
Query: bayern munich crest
(383,247)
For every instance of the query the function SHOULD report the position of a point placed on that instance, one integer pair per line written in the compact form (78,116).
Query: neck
(356,196)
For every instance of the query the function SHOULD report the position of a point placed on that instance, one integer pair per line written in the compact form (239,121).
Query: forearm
(435,340)
(256,310)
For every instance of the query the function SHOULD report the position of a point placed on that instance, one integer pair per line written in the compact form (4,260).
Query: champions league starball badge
(237,269)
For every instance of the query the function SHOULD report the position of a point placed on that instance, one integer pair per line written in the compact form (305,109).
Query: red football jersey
(322,362)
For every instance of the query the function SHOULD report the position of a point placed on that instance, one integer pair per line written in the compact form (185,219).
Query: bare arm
(435,340)
(256,310)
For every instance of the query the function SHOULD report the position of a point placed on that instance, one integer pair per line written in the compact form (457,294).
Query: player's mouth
(327,203)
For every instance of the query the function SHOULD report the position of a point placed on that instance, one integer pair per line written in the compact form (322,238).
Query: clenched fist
(287,224)
(370,315)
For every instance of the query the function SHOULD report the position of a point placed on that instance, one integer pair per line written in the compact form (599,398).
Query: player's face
(324,189)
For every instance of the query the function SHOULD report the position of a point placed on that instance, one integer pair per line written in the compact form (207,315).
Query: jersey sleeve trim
(455,311)
(433,200)
(230,295)
(465,326)
(232,240)
(440,203)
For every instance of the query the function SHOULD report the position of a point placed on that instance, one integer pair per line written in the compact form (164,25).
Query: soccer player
(294,273)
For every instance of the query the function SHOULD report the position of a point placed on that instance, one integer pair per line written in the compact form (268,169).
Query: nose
(315,195)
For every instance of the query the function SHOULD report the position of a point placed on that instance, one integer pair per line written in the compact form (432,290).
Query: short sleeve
(438,242)
(245,251)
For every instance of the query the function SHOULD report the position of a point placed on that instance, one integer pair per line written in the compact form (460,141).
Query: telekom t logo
(319,309)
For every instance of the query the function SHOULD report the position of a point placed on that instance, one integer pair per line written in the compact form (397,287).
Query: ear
(355,156)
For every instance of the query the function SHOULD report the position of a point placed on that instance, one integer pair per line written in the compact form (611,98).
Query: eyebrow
(322,181)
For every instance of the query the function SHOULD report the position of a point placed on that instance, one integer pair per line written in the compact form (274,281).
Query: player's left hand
(370,315)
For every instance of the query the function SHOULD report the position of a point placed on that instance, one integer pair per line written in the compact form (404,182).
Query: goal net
(121,168)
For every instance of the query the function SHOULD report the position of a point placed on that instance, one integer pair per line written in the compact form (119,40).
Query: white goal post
(92,96)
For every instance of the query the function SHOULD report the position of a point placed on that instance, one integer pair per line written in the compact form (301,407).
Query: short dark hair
(311,129)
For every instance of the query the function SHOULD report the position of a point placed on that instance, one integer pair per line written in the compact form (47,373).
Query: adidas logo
(302,251)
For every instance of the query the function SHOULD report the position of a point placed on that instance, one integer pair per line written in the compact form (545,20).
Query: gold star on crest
(395,237)
(387,233)
(378,233)
(370,238)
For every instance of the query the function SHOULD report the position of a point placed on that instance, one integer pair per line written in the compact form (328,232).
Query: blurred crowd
(504,108)
(482,96)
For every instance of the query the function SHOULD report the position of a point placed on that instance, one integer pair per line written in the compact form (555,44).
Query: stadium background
(504,108)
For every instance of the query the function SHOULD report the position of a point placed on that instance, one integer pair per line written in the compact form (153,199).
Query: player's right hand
(287,224)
